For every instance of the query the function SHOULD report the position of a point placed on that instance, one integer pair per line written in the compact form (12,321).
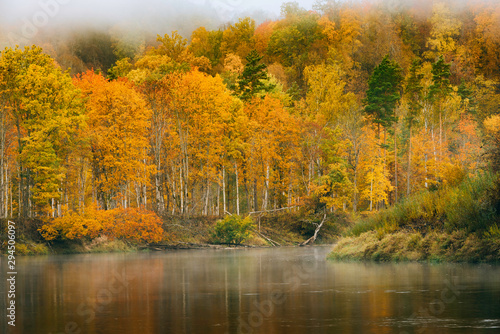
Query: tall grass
(467,206)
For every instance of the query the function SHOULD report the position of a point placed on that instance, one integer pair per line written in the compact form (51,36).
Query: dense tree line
(349,106)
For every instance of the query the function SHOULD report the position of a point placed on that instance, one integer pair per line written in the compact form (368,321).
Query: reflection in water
(285,290)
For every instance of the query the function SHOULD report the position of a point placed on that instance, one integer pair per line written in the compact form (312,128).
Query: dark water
(286,290)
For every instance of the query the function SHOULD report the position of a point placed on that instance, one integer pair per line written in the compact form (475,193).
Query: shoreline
(440,247)
(152,248)
(181,233)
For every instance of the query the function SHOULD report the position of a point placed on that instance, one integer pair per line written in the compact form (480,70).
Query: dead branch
(272,242)
(289,207)
(313,238)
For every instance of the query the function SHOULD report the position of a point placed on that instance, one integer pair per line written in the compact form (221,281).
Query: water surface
(283,290)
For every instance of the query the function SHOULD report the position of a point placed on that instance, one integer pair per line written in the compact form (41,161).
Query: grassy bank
(457,246)
(283,229)
(452,224)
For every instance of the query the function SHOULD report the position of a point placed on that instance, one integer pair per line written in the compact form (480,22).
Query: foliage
(47,112)
(118,123)
(384,92)
(131,224)
(465,207)
(198,127)
(232,230)
(251,80)
(456,246)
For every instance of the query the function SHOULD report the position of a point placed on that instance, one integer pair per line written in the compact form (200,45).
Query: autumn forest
(351,106)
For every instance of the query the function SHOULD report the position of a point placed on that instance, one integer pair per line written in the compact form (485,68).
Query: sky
(23,19)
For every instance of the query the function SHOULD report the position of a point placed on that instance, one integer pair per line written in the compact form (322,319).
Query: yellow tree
(330,107)
(444,32)
(118,123)
(207,44)
(377,185)
(196,107)
(47,113)
(238,38)
(486,45)
(270,157)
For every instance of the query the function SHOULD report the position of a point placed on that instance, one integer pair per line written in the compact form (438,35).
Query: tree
(191,112)
(294,41)
(382,96)
(439,91)
(384,92)
(207,44)
(271,153)
(118,122)
(238,38)
(95,48)
(445,28)
(327,91)
(47,115)
(414,95)
(376,185)
(251,81)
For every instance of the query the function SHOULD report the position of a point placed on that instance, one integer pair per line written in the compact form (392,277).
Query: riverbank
(454,224)
(403,246)
(284,229)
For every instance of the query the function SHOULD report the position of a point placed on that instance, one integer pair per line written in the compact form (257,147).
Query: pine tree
(382,97)
(251,81)
(441,86)
(383,92)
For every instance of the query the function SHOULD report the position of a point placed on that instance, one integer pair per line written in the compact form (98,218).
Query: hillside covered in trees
(346,107)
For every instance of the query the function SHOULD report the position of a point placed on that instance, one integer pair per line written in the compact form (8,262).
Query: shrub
(232,230)
(469,206)
(129,224)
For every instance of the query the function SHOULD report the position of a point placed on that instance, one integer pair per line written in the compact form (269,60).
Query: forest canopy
(351,106)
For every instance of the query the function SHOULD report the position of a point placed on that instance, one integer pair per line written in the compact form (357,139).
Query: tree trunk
(266,190)
(181,191)
(395,165)
(207,197)
(224,190)
(313,238)
(409,167)
(255,198)
(237,189)
(371,192)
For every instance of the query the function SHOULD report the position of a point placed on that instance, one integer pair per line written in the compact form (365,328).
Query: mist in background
(22,21)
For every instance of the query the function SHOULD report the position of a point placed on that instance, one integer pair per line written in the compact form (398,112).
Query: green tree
(251,81)
(384,93)
(382,97)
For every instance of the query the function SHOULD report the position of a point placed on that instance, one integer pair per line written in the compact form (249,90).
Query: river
(268,290)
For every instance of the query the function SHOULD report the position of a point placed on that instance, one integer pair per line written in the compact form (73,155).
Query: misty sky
(17,14)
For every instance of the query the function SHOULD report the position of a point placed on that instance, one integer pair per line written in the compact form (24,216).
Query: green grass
(433,247)
(451,224)
(466,207)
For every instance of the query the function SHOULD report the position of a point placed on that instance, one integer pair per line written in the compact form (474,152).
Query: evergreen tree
(466,94)
(382,96)
(441,86)
(251,81)
(383,92)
